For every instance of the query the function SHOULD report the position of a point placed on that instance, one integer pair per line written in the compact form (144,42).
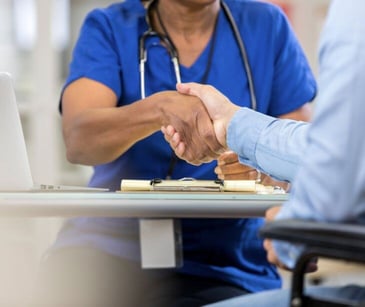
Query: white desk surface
(137,205)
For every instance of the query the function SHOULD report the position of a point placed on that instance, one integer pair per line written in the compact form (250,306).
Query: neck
(186,19)
(189,25)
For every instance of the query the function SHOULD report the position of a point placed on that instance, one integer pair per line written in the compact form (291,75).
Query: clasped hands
(202,139)
(196,130)
(209,126)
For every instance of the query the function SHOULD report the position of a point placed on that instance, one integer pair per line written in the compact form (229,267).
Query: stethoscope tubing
(174,55)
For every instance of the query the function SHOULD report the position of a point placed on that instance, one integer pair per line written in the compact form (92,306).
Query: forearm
(100,135)
(304,113)
(271,145)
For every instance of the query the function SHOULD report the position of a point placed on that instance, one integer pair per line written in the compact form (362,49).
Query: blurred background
(36,40)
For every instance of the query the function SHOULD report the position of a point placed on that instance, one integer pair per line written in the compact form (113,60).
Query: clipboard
(193,185)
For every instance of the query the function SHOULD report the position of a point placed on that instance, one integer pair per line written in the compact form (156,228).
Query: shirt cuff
(243,133)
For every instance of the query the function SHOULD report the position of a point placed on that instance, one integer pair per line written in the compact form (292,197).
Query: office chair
(329,240)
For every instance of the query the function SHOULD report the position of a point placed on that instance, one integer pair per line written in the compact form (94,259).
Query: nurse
(112,114)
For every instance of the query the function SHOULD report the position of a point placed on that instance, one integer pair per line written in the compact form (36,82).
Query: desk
(156,211)
(138,205)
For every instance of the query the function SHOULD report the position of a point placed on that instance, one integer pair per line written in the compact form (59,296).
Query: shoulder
(255,9)
(259,18)
(264,20)
(120,12)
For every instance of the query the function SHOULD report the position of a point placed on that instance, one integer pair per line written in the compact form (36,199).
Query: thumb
(190,88)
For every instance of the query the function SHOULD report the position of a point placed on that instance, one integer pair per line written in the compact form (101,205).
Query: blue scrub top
(107,51)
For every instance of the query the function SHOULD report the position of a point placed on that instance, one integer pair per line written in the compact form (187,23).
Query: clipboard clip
(187,184)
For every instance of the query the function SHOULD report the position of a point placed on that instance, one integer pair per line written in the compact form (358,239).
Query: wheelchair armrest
(332,236)
(330,240)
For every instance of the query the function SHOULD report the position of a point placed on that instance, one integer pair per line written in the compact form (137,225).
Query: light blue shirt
(325,160)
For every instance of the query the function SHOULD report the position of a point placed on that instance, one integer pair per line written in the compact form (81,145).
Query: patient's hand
(229,168)
(271,254)
(220,110)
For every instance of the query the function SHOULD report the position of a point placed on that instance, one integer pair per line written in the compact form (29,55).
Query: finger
(189,88)
(181,153)
(272,258)
(165,134)
(214,146)
(175,140)
(204,125)
(238,168)
(207,134)
(218,170)
(235,171)
(180,149)
(191,155)
(195,152)
(271,213)
(201,151)
(237,177)
(201,135)
(183,88)
(230,173)
(267,244)
(227,157)
(170,130)
(211,142)
(271,255)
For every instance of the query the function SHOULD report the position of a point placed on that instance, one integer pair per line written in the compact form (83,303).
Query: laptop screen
(15,173)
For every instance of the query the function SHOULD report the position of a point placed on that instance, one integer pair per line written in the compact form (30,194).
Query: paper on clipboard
(193,185)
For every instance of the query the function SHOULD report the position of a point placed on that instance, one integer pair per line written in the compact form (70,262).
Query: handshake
(204,138)
(198,133)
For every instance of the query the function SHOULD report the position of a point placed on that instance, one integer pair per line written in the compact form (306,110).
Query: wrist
(226,120)
(157,104)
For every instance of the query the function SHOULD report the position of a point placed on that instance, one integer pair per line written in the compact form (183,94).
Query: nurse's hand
(220,110)
(188,115)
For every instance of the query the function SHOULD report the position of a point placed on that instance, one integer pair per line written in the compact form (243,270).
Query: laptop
(15,172)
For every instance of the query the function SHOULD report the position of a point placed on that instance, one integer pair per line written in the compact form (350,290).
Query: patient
(321,159)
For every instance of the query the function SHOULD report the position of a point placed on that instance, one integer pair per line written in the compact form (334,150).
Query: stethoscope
(174,55)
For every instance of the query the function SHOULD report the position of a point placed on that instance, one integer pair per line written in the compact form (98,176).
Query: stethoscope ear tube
(143,57)
(244,56)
